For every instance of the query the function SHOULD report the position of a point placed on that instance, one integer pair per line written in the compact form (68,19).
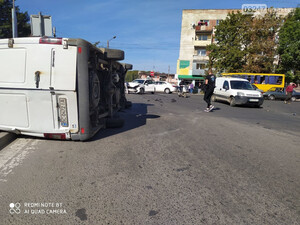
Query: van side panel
(13,65)
(14,110)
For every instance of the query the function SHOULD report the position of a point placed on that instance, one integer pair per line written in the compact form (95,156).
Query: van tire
(114,123)
(232,102)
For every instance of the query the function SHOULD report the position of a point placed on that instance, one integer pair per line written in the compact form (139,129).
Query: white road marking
(13,155)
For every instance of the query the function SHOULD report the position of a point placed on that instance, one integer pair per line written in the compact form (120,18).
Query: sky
(147,30)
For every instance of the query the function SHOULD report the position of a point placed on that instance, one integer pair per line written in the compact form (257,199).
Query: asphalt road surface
(172,163)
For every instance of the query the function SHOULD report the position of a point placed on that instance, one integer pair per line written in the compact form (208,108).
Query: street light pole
(110,40)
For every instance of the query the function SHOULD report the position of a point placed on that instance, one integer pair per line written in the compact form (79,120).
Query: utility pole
(168,73)
(14,21)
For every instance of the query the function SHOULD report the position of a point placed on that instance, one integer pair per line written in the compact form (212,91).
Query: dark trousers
(288,96)
(207,96)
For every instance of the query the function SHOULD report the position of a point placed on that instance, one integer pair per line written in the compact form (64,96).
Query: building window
(201,52)
(203,23)
(200,66)
(202,37)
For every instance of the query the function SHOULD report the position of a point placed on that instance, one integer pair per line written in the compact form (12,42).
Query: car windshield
(238,84)
(138,81)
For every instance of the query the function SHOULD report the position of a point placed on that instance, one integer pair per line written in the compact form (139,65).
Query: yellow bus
(263,81)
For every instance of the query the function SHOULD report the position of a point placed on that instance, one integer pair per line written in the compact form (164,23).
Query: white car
(141,86)
(163,86)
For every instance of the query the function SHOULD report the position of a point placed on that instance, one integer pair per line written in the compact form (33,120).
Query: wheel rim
(167,90)
(271,97)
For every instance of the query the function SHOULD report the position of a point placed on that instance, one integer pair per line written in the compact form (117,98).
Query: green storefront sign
(184,64)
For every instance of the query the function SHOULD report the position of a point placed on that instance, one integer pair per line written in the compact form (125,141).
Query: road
(171,163)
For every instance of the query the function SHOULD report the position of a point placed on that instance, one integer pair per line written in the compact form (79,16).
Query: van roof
(232,78)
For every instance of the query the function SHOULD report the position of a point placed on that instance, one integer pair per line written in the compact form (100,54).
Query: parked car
(256,88)
(280,94)
(163,86)
(141,86)
(236,91)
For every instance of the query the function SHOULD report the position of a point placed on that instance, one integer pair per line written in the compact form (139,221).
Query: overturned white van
(59,87)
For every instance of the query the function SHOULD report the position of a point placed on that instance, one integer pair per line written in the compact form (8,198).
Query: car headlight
(240,94)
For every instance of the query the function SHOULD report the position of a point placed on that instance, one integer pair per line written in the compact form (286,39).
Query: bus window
(257,78)
(279,80)
(272,80)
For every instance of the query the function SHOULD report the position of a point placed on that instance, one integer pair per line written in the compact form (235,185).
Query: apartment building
(197,31)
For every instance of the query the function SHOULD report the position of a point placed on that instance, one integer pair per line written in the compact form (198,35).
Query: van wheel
(213,98)
(114,123)
(232,102)
(167,91)
(271,97)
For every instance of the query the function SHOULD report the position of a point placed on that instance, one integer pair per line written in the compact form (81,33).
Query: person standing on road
(289,92)
(181,85)
(209,87)
(191,87)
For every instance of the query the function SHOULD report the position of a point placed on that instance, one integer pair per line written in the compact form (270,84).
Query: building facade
(197,31)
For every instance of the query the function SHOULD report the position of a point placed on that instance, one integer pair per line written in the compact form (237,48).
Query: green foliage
(6,20)
(131,75)
(262,46)
(289,45)
(232,41)
(245,43)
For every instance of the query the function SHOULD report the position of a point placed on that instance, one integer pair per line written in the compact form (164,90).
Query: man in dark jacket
(210,81)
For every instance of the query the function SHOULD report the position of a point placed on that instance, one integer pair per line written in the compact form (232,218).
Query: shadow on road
(134,117)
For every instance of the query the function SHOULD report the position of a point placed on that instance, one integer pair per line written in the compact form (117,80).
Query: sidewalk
(6,138)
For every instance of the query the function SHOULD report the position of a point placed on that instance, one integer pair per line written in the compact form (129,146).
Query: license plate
(253,100)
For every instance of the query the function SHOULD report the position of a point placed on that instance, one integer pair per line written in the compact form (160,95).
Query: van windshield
(238,84)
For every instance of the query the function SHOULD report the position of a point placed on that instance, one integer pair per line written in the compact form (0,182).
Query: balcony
(203,29)
(198,72)
(200,58)
(201,43)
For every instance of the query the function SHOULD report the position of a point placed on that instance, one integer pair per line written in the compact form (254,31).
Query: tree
(131,75)
(232,40)
(245,43)
(6,20)
(289,46)
(262,46)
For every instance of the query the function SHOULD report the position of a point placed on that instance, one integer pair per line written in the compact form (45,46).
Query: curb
(6,138)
